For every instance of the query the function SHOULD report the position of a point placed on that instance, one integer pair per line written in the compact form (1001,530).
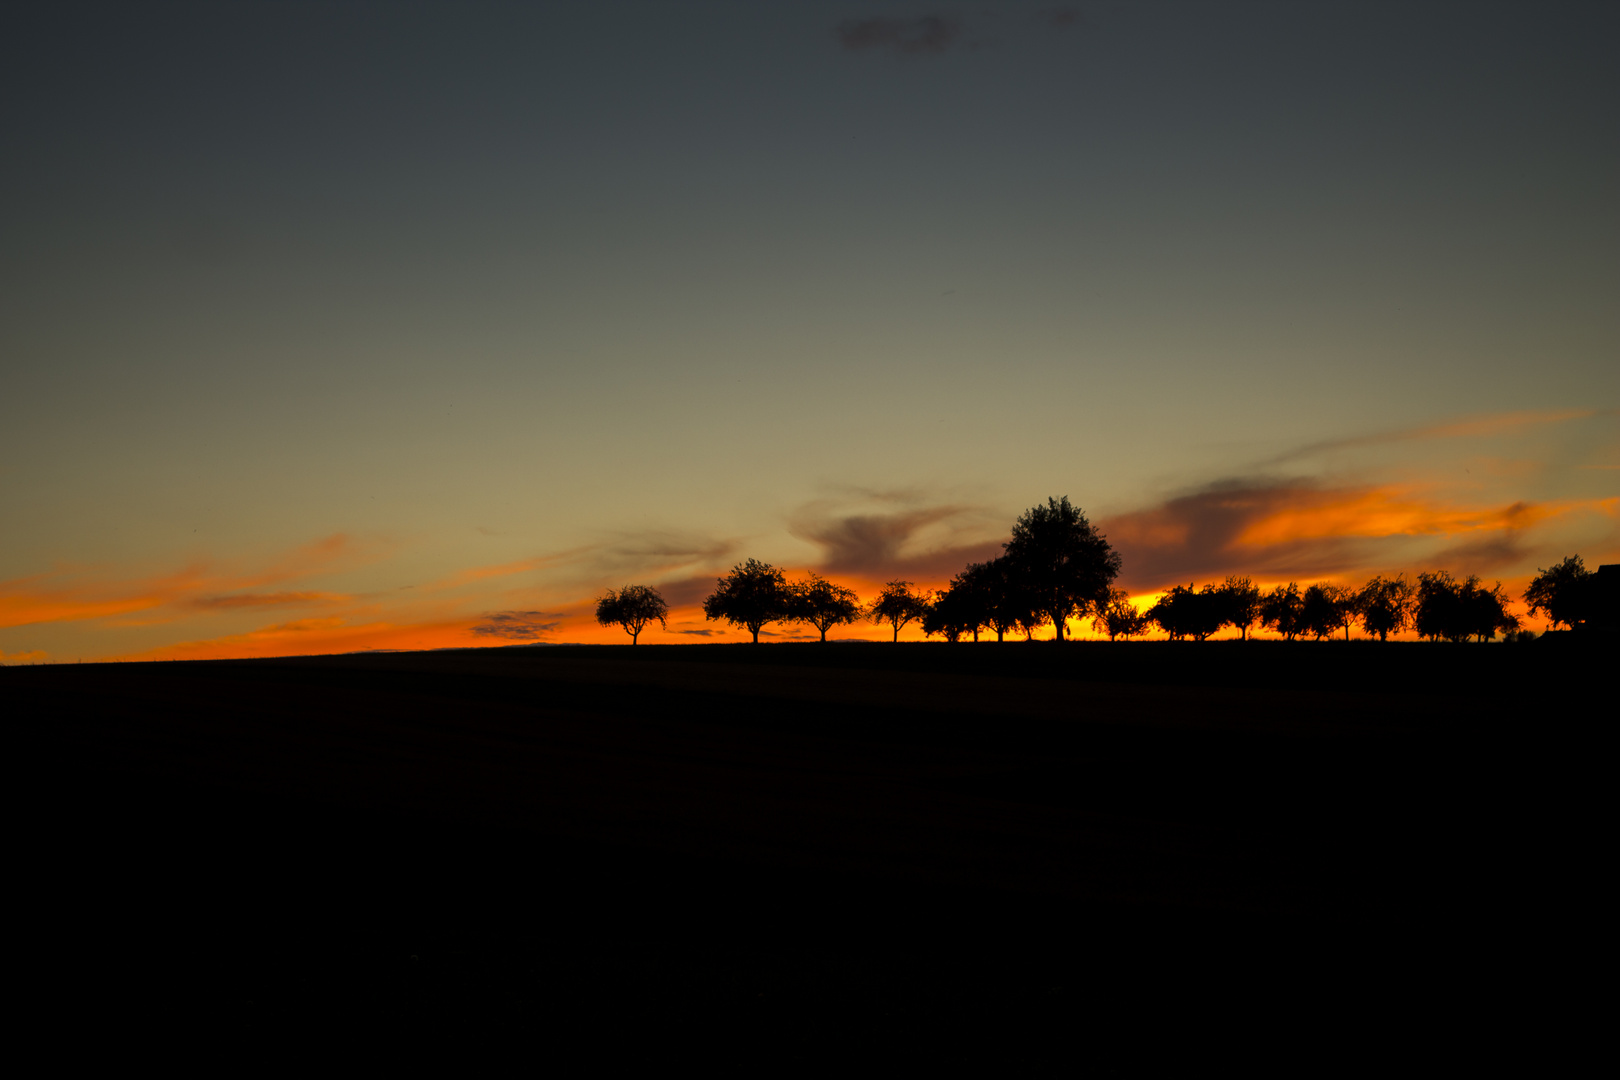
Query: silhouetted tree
(752,595)
(1184,612)
(1564,594)
(1063,563)
(1240,603)
(1439,607)
(1386,605)
(1281,609)
(1346,606)
(972,598)
(1484,611)
(943,617)
(1119,617)
(897,605)
(632,607)
(955,611)
(1321,611)
(823,605)
(1008,603)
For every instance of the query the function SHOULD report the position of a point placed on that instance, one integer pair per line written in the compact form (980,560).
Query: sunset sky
(330,326)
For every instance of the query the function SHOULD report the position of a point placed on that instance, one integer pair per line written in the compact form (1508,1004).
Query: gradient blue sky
(323,317)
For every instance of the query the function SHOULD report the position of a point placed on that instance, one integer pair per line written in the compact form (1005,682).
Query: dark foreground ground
(1081,857)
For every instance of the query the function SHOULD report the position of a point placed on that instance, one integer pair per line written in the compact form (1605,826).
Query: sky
(328,327)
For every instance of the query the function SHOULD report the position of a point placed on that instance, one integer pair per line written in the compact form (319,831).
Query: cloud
(1295,528)
(918,543)
(699,633)
(71,594)
(516,625)
(33,656)
(928,35)
(1060,17)
(615,560)
(685,592)
(1468,427)
(238,601)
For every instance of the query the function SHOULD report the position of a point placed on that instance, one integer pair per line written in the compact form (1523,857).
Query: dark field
(1034,855)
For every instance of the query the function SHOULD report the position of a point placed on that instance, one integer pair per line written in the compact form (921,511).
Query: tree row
(1057,567)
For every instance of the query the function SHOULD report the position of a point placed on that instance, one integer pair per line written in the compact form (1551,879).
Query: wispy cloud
(239,601)
(517,625)
(1299,528)
(1468,427)
(926,35)
(917,540)
(70,594)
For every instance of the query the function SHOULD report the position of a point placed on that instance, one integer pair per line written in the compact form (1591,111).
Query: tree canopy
(1119,617)
(1386,605)
(1456,611)
(753,595)
(1184,612)
(1063,564)
(821,604)
(1240,604)
(898,605)
(632,607)
(1563,593)
(1281,610)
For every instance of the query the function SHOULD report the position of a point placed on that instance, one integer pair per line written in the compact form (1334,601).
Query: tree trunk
(633,635)
(897,635)
(755,629)
(824,635)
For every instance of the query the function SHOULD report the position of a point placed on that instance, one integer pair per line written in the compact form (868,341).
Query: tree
(971,600)
(1281,608)
(1483,611)
(1346,606)
(1439,607)
(1064,564)
(897,605)
(1184,612)
(955,611)
(1564,594)
(752,595)
(1119,617)
(632,607)
(1007,604)
(1386,605)
(1240,602)
(1323,609)
(823,605)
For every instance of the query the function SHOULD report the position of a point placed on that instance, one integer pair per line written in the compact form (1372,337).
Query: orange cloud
(1295,529)
(237,601)
(69,595)
(1482,426)
(1380,512)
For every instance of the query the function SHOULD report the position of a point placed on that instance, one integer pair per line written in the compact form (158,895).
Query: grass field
(1014,853)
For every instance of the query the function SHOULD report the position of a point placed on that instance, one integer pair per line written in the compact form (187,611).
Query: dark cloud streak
(928,35)
(516,625)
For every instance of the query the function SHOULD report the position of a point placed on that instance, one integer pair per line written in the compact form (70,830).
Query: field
(805,851)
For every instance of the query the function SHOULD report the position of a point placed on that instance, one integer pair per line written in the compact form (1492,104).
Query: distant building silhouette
(1605,615)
